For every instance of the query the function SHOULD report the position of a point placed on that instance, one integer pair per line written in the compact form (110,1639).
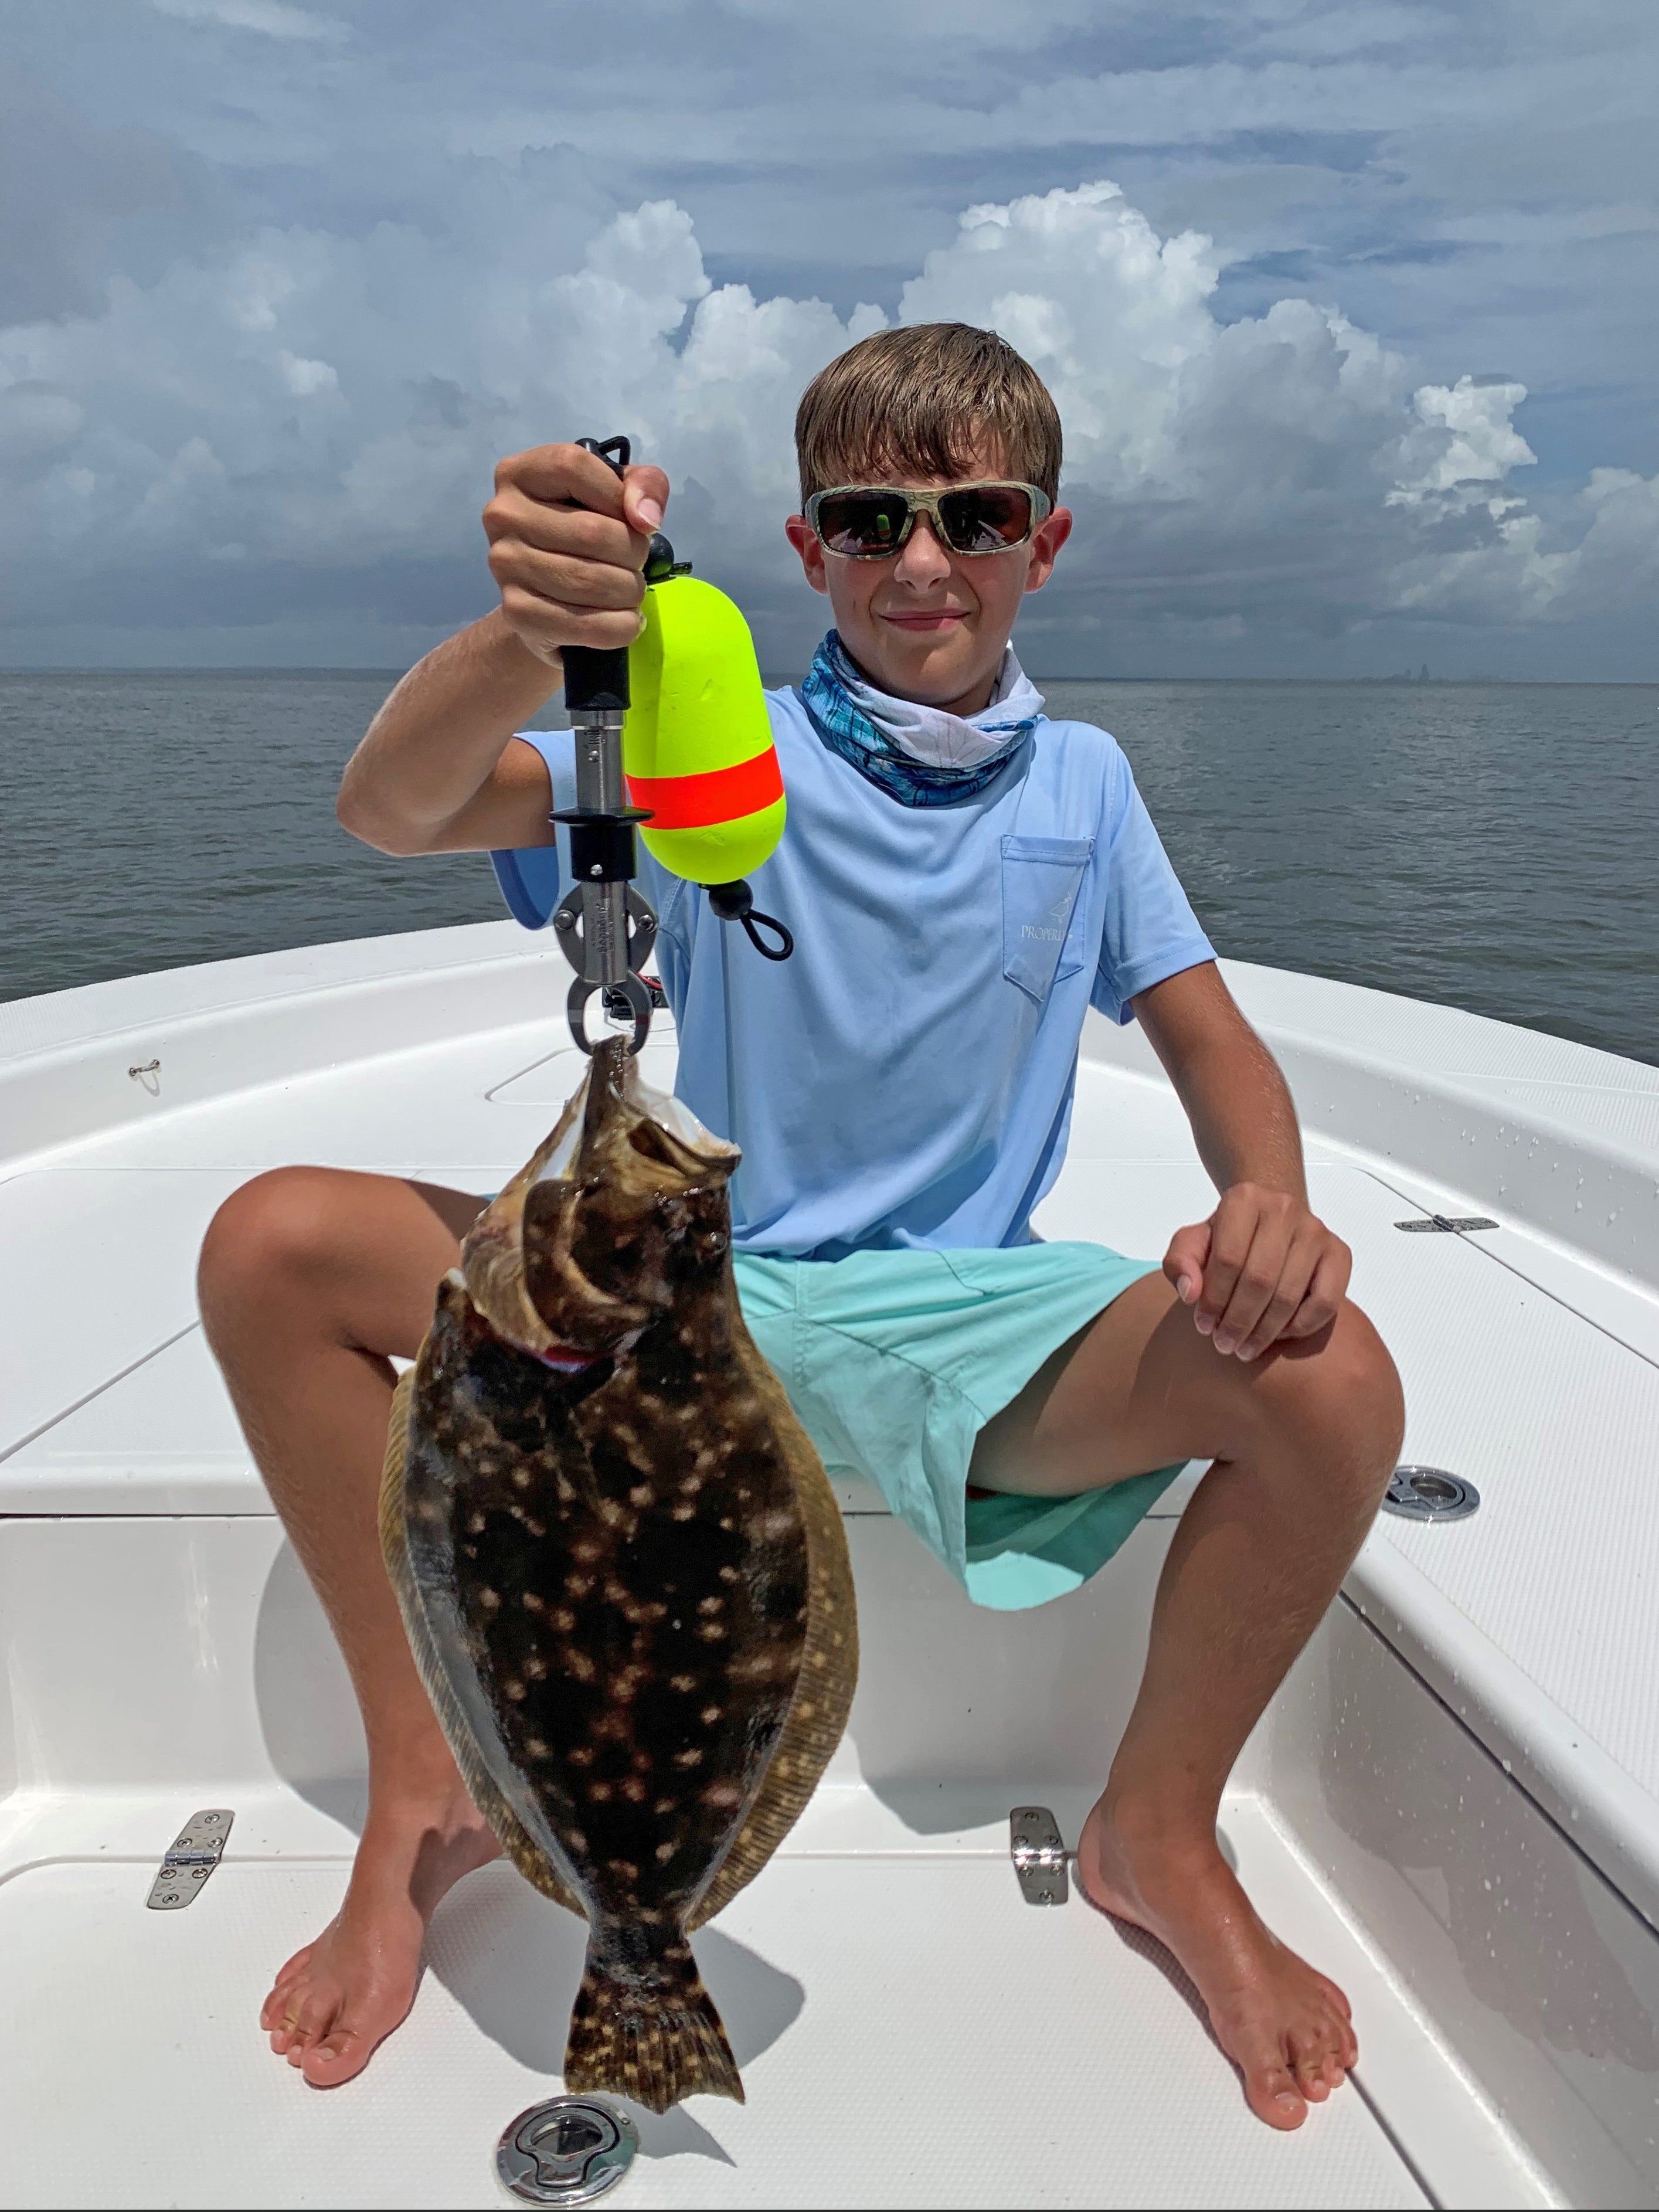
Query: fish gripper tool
(604,925)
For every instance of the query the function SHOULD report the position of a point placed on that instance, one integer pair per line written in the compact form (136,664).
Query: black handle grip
(596,676)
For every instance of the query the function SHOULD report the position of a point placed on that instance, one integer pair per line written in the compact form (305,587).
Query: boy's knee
(1341,1398)
(280,1227)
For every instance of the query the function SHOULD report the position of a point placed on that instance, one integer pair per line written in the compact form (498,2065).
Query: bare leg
(1302,1442)
(310,1278)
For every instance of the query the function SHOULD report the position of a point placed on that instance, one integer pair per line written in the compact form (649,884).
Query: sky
(1352,311)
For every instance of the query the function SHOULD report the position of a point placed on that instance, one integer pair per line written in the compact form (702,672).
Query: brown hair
(916,401)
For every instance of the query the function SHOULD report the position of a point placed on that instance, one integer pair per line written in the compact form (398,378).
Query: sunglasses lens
(862,522)
(987,518)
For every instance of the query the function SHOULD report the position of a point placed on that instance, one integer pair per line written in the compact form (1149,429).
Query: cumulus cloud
(1453,471)
(303,425)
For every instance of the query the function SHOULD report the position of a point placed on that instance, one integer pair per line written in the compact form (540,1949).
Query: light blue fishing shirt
(906,1078)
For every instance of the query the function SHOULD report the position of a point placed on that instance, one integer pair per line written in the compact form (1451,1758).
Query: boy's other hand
(568,540)
(1260,1269)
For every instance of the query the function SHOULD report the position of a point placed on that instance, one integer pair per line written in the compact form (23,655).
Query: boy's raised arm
(437,771)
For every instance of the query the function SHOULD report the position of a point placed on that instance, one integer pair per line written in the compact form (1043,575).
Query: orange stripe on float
(719,794)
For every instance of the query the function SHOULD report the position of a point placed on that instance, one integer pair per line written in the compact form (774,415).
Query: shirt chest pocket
(1042,914)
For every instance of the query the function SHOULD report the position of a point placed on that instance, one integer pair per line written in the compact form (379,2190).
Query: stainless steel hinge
(1446,1225)
(1039,1854)
(191,1858)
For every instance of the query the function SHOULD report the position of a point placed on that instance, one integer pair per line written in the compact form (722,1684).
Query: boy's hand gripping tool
(604,925)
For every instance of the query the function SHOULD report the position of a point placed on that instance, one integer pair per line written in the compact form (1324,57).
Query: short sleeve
(1150,930)
(529,877)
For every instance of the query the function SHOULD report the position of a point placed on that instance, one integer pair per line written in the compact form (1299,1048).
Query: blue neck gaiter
(918,754)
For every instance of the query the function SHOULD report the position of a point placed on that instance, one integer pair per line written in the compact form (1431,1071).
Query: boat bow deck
(1455,1802)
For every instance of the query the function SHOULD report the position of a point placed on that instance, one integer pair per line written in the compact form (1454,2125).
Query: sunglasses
(870,522)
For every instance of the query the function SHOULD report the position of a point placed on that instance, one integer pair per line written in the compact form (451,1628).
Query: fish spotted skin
(612,1578)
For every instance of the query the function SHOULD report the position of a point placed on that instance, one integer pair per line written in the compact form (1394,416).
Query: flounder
(621,1566)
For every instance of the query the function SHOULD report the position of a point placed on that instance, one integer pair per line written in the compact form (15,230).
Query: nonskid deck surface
(908,2031)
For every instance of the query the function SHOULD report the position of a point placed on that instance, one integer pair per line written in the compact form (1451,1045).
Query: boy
(961,877)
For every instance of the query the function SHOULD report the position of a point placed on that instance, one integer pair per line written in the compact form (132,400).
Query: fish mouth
(569,1263)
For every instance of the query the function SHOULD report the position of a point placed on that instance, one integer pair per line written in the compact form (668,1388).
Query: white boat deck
(1456,1808)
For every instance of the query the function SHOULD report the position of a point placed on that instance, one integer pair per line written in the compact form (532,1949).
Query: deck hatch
(1430,1493)
(567,2150)
(190,1859)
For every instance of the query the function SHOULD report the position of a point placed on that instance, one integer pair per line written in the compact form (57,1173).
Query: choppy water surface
(1493,845)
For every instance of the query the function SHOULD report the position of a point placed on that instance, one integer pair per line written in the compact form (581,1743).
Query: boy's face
(929,625)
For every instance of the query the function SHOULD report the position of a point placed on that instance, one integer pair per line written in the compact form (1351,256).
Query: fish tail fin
(648,2029)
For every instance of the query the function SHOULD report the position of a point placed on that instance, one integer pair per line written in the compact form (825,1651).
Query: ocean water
(1496,847)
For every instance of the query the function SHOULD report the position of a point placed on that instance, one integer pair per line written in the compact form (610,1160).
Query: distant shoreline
(1370,683)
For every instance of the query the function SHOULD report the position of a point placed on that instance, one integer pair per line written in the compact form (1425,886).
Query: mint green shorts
(896,1360)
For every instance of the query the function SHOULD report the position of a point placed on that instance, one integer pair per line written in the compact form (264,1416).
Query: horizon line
(774,678)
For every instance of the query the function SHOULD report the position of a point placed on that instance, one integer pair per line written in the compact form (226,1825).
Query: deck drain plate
(567,2150)
(1430,1493)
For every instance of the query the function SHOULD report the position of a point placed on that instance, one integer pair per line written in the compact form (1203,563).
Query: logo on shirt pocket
(1042,916)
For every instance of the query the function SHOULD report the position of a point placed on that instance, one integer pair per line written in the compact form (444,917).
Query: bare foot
(334,2002)
(1286,2027)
